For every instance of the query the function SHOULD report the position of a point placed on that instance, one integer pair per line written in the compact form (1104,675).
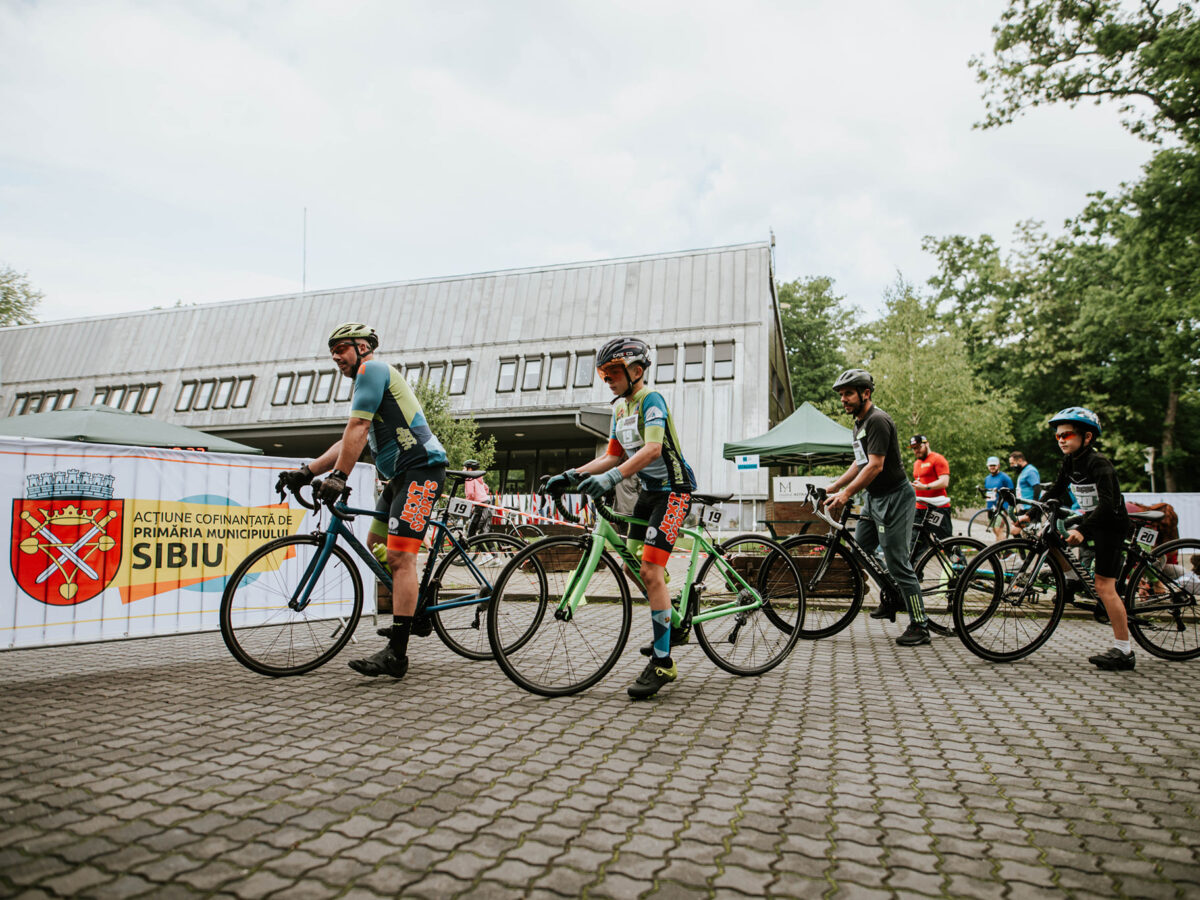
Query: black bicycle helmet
(854,378)
(350,331)
(471,464)
(624,350)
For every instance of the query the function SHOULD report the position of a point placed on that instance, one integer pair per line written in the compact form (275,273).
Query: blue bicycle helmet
(1077,415)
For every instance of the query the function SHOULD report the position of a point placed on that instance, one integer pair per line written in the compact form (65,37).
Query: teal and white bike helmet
(1077,415)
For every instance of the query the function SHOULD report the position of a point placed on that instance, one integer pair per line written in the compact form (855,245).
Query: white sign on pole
(749,461)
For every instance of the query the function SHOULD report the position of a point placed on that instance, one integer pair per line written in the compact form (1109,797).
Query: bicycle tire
(938,570)
(753,641)
(545,653)
(464,628)
(1009,600)
(984,526)
(1161,600)
(834,600)
(268,637)
(528,532)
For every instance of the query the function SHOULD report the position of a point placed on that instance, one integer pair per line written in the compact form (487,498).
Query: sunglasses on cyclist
(609,372)
(1065,435)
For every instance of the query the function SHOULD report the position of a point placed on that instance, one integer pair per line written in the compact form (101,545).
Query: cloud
(161,152)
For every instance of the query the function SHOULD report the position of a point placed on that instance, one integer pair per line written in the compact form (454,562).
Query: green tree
(18,298)
(1054,51)
(925,382)
(816,322)
(459,435)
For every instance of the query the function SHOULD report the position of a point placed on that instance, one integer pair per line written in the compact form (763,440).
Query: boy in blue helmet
(1091,477)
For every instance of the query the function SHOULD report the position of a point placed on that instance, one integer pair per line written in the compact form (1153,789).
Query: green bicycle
(561,609)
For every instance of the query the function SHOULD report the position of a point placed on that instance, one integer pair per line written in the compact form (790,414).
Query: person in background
(992,484)
(476,491)
(1028,486)
(931,482)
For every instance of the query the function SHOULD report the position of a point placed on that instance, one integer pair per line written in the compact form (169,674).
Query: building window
(693,362)
(557,377)
(412,373)
(132,398)
(242,395)
(283,388)
(224,392)
(304,383)
(115,396)
(777,391)
(344,388)
(585,369)
(533,374)
(98,397)
(458,377)
(66,399)
(49,402)
(204,393)
(508,375)
(722,359)
(149,398)
(437,374)
(324,387)
(187,391)
(665,374)
(20,405)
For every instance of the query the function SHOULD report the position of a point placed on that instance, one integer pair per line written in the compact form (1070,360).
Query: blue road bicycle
(294,603)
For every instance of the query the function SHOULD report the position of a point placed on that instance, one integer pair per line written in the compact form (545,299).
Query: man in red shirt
(931,480)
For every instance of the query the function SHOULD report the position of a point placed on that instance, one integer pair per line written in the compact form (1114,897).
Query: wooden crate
(836,583)
(788,518)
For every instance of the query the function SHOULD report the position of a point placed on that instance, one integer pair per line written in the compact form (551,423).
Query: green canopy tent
(807,437)
(105,425)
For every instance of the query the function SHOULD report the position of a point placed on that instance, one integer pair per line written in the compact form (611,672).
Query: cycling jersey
(644,419)
(927,471)
(876,433)
(1028,480)
(399,436)
(992,484)
(1093,480)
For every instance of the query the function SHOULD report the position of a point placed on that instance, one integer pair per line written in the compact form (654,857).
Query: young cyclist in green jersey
(385,413)
(642,442)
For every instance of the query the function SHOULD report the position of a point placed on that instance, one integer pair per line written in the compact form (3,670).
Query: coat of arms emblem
(66,537)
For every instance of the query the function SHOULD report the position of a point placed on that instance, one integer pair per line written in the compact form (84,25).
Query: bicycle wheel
(1161,600)
(550,651)
(528,532)
(754,640)
(938,570)
(833,593)
(981,524)
(461,593)
(1008,601)
(268,636)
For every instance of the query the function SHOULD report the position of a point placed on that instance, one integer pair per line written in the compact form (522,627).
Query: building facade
(515,350)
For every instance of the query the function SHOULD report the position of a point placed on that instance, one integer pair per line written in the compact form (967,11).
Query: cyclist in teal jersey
(385,413)
(642,441)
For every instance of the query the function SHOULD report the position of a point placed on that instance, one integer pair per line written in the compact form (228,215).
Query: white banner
(793,488)
(111,542)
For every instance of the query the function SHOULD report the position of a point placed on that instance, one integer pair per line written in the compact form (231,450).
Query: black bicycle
(986,521)
(834,568)
(294,603)
(1013,595)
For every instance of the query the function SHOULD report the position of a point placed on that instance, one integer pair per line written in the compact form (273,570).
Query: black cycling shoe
(914,635)
(887,609)
(385,662)
(679,637)
(422,626)
(1113,660)
(653,677)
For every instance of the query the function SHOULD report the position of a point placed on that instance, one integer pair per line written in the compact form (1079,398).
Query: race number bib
(991,495)
(935,518)
(860,454)
(459,508)
(1088,496)
(712,515)
(1147,537)
(628,435)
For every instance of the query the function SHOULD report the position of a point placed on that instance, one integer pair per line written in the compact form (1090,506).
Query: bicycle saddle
(709,499)
(1149,515)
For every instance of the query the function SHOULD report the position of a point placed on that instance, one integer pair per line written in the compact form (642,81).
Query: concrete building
(514,348)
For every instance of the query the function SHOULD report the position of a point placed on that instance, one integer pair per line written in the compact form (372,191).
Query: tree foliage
(815,323)
(18,298)
(1050,51)
(459,435)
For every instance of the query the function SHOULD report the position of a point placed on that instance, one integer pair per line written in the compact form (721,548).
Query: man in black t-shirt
(890,504)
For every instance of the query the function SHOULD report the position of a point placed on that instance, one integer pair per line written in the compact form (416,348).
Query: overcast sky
(160,152)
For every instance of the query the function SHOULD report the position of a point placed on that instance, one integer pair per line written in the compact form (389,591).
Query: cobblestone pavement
(162,768)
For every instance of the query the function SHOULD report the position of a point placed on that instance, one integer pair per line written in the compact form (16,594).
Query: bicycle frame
(841,536)
(604,536)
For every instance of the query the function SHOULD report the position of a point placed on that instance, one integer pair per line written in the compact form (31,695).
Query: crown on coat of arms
(71,483)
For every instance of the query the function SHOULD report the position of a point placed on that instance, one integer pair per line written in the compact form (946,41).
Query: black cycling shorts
(665,512)
(408,501)
(1110,553)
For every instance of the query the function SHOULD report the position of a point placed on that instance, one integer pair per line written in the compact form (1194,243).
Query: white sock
(1123,646)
